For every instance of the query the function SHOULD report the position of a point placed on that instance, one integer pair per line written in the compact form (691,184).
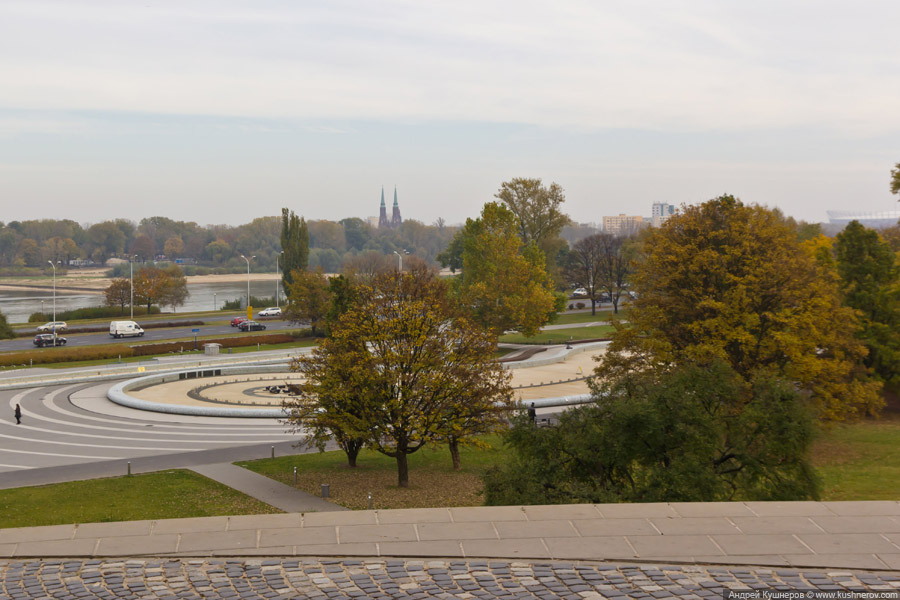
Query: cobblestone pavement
(380,579)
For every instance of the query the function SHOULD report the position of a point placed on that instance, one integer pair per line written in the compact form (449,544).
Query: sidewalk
(843,535)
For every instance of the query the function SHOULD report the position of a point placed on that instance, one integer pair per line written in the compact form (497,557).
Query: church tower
(395,219)
(383,222)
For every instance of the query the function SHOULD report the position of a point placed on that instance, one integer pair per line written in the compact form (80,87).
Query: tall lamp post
(131,269)
(399,261)
(54,300)
(248,281)
(277,281)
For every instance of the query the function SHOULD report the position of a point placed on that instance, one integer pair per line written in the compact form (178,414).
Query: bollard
(325,490)
(295,476)
(129,467)
(370,501)
(273,451)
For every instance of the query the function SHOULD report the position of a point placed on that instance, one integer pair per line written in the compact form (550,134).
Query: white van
(119,329)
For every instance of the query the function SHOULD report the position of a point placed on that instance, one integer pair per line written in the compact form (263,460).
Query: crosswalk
(75,423)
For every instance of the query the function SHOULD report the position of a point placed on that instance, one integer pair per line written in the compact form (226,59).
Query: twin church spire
(396,220)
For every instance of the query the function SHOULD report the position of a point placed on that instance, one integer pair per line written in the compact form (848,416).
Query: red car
(237,321)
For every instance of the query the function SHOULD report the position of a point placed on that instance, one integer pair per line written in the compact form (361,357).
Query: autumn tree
(295,244)
(173,247)
(539,215)
(869,281)
(165,287)
(176,292)
(396,369)
(503,284)
(308,299)
(727,281)
(118,293)
(895,179)
(583,265)
(615,266)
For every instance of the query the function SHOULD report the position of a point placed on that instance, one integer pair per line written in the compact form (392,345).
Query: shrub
(579,305)
(238,303)
(91,312)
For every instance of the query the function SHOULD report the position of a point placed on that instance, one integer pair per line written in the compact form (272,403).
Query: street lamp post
(399,261)
(54,300)
(42,309)
(248,280)
(277,281)
(131,269)
(214,301)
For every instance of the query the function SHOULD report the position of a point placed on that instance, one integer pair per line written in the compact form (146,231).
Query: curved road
(73,432)
(161,334)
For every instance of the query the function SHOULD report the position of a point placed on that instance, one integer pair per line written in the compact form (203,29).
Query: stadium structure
(875,220)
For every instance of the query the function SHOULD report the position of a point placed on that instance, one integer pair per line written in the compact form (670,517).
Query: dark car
(237,321)
(47,339)
(251,326)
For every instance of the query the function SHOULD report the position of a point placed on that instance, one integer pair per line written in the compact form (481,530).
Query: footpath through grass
(560,336)
(432,480)
(162,495)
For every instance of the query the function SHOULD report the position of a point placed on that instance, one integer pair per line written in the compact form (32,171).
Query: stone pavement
(844,535)
(447,579)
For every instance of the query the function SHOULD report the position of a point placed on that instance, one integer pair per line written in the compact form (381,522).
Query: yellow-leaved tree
(728,281)
(400,370)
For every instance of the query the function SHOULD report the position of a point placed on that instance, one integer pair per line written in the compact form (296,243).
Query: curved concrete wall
(119,394)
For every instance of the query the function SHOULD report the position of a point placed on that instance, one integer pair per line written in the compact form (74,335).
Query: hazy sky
(220,111)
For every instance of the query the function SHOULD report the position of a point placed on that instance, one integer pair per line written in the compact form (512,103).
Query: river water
(18,305)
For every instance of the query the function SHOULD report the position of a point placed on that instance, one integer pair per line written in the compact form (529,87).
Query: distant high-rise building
(661,212)
(395,218)
(382,216)
(623,224)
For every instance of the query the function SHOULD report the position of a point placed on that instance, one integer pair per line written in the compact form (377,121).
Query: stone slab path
(841,535)
(265,489)
(446,579)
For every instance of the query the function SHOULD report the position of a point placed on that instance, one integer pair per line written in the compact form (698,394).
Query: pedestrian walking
(18,415)
(532,413)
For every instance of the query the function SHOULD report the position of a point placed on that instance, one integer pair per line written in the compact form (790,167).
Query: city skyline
(218,112)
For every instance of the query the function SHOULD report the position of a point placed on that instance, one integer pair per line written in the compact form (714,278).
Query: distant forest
(26,246)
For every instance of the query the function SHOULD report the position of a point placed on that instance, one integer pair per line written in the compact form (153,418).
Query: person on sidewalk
(18,415)
(532,413)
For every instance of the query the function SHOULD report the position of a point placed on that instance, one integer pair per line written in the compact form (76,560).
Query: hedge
(90,312)
(102,328)
(114,351)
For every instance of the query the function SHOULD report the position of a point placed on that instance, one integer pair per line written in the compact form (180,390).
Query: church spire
(395,218)
(382,216)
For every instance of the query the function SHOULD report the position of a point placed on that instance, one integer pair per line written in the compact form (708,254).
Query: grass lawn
(860,461)
(162,495)
(560,336)
(571,318)
(432,481)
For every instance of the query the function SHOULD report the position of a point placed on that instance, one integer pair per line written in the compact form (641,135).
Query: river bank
(94,281)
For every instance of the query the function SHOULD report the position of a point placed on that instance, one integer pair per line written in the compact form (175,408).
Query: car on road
(237,321)
(53,326)
(272,311)
(48,339)
(580,293)
(251,326)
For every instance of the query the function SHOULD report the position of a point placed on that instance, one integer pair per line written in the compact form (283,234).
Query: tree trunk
(593,307)
(615,301)
(351,448)
(402,469)
(454,453)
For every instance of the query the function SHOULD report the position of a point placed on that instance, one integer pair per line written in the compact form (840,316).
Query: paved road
(344,579)
(70,431)
(161,334)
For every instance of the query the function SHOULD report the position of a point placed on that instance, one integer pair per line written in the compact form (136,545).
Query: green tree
(727,281)
(118,293)
(503,284)
(869,282)
(537,208)
(895,179)
(696,433)
(295,244)
(397,367)
(6,332)
(309,299)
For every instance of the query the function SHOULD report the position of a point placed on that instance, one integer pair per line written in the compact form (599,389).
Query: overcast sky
(220,111)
